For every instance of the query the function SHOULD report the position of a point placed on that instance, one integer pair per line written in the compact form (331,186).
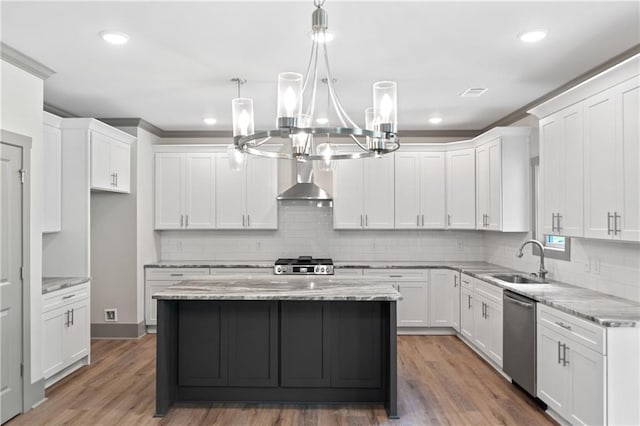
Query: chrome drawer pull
(563,325)
(68,296)
(176,275)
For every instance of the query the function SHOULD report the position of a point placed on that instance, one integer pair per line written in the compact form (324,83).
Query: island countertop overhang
(301,288)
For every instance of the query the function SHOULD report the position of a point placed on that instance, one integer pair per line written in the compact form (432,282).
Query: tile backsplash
(306,229)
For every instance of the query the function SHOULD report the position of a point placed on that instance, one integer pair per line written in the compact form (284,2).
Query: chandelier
(296,109)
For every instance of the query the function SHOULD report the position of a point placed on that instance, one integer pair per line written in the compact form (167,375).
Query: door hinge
(22,173)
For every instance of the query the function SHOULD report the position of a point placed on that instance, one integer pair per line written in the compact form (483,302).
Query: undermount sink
(517,279)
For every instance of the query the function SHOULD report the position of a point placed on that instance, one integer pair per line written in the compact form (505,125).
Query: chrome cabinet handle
(609,216)
(68,296)
(248,221)
(616,216)
(361,223)
(484,310)
(176,275)
(455,281)
(243,221)
(66,321)
(423,220)
(73,317)
(399,289)
(559,216)
(395,276)
(417,220)
(564,356)
(469,302)
(563,325)
(186,221)
(181,220)
(448,220)
(553,222)
(559,356)
(366,220)
(116,179)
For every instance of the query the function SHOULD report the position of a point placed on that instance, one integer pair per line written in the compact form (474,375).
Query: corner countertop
(601,308)
(291,287)
(50,284)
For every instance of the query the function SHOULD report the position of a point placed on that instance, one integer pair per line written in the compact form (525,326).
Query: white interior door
(432,190)
(10,281)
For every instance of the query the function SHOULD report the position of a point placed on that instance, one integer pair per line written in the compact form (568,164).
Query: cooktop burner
(303,265)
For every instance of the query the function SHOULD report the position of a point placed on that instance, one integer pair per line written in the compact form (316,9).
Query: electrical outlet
(460,245)
(111,314)
(596,266)
(587,265)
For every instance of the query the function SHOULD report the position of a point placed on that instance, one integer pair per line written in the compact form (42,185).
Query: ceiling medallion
(297,96)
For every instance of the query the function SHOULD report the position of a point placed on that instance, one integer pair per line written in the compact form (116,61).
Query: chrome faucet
(542,272)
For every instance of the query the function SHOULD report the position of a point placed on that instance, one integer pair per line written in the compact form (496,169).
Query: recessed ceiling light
(114,37)
(532,36)
(210,121)
(324,37)
(435,120)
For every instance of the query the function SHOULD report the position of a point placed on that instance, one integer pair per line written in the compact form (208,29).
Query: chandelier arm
(314,49)
(312,104)
(332,91)
(267,139)
(360,144)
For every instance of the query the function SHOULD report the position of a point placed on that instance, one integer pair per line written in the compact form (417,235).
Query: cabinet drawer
(242,271)
(348,272)
(173,274)
(467,282)
(397,274)
(490,291)
(63,297)
(583,332)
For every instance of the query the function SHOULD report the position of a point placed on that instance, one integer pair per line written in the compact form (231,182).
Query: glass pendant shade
(242,114)
(326,151)
(236,158)
(385,104)
(300,141)
(289,96)
(370,123)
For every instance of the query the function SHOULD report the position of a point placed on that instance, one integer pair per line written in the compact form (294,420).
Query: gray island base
(307,340)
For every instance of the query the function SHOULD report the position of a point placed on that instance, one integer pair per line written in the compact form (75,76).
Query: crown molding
(521,113)
(52,109)
(24,62)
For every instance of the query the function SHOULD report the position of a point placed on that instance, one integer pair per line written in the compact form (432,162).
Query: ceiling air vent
(473,92)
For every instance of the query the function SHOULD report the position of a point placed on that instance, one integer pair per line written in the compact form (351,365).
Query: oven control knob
(323,269)
(278,269)
(316,269)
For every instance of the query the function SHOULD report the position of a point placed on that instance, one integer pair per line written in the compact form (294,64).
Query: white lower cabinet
(467,301)
(158,279)
(65,331)
(444,299)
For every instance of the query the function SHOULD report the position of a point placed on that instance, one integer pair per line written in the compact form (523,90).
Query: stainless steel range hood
(304,188)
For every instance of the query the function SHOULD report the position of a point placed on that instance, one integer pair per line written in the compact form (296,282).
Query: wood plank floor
(440,381)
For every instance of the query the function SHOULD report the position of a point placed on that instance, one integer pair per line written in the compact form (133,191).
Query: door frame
(32,393)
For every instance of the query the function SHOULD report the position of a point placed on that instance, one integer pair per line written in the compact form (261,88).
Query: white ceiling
(176,68)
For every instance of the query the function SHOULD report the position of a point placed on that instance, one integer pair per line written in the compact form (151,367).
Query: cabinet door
(440,299)
(76,339)
(262,189)
(101,173)
(493,313)
(553,377)
(348,195)
(483,177)
(494,206)
(230,195)
(304,344)
(629,158)
(467,301)
(413,309)
(168,190)
(586,385)
(407,190)
(461,189)
(601,164)
(378,190)
(432,190)
(52,182)
(551,179)
(53,329)
(199,196)
(253,343)
(120,164)
(571,175)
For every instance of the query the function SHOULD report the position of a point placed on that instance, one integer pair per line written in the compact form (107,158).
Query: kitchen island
(293,339)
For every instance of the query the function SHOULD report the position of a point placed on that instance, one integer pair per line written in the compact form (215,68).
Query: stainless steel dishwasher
(519,337)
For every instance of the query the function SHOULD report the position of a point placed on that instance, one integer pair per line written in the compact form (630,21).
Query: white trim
(24,62)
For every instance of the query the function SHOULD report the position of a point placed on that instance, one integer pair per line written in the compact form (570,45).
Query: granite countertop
(600,308)
(242,287)
(205,264)
(50,284)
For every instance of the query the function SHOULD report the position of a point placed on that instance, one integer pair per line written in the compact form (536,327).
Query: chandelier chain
(318,3)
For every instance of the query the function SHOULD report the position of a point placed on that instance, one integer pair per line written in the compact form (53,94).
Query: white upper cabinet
(110,163)
(52,174)
(246,199)
(420,190)
(502,180)
(461,189)
(561,173)
(185,190)
(612,179)
(590,157)
(363,194)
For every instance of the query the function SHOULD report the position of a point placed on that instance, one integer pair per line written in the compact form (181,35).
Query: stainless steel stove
(303,265)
